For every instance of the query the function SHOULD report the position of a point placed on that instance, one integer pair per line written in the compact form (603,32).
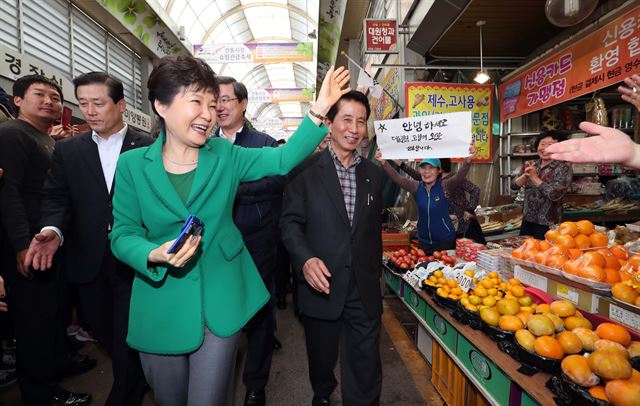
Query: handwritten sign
(624,316)
(464,281)
(529,278)
(437,136)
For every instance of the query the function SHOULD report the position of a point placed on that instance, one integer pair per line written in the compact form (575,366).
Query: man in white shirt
(77,218)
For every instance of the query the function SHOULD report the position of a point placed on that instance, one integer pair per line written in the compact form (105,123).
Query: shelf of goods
(493,373)
(490,364)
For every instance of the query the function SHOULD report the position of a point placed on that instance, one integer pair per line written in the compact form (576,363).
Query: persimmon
(598,393)
(574,253)
(551,236)
(570,267)
(612,262)
(565,241)
(549,347)
(619,251)
(634,261)
(599,239)
(592,258)
(614,332)
(613,276)
(593,272)
(568,228)
(556,261)
(624,292)
(582,241)
(544,245)
(585,227)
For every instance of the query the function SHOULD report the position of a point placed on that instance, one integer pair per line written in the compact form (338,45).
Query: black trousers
(474,232)
(104,303)
(283,271)
(442,246)
(534,230)
(39,311)
(357,339)
(261,328)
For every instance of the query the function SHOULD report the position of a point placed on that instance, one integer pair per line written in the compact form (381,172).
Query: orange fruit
(570,267)
(565,241)
(544,245)
(556,261)
(619,251)
(613,276)
(514,281)
(568,228)
(549,347)
(634,261)
(531,244)
(592,258)
(593,272)
(599,239)
(540,257)
(598,393)
(517,253)
(585,227)
(635,376)
(614,332)
(582,241)
(574,253)
(528,255)
(576,367)
(612,262)
(510,323)
(551,236)
(570,342)
(624,292)
(622,392)
(610,365)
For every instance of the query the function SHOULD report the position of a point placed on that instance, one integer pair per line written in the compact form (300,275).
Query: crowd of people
(96,213)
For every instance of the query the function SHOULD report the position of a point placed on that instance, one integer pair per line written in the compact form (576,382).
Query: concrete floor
(288,383)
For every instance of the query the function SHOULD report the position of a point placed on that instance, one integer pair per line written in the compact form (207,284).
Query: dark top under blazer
(77,201)
(314,223)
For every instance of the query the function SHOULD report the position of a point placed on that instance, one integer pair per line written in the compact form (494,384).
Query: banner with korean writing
(600,59)
(279,95)
(381,36)
(436,136)
(251,52)
(428,98)
(329,33)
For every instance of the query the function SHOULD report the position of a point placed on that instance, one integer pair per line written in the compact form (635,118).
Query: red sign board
(598,60)
(381,36)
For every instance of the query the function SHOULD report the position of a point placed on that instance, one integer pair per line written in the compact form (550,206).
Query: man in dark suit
(255,213)
(331,227)
(77,214)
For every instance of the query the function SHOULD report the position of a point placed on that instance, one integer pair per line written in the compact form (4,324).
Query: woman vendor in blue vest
(435,228)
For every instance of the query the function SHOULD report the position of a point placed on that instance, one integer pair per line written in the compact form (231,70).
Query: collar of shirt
(232,139)
(357,158)
(117,137)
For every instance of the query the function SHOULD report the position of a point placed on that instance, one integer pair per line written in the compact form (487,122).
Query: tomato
(402,252)
(431,258)
(437,255)
(404,265)
(421,253)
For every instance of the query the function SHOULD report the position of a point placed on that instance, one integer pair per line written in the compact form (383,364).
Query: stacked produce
(408,258)
(468,249)
(628,289)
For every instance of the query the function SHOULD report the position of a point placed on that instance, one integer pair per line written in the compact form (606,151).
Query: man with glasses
(256,213)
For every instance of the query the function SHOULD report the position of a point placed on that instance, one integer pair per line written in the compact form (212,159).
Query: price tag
(568,293)
(624,316)
(465,282)
(530,278)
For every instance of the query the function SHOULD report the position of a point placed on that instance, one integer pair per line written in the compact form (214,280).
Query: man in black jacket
(256,216)
(77,212)
(331,227)
(37,300)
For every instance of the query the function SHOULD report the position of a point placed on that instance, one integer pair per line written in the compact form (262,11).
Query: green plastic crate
(393,281)
(527,401)
(492,379)
(417,303)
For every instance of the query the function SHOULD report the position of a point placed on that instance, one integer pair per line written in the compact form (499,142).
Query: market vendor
(545,181)
(435,228)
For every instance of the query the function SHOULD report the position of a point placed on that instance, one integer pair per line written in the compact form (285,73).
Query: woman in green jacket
(187,308)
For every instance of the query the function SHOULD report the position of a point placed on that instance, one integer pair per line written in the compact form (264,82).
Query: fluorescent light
(481,77)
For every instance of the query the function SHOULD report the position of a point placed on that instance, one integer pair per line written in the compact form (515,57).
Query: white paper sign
(624,316)
(437,136)
(531,279)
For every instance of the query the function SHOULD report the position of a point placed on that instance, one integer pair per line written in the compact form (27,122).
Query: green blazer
(220,287)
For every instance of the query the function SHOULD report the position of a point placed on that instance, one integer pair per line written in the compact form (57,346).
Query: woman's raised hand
(332,89)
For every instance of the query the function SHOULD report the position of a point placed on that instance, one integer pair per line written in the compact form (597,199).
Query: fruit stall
(544,322)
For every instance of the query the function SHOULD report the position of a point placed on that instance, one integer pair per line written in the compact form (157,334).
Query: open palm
(332,86)
(605,145)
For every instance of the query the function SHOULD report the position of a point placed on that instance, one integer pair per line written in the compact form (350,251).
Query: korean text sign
(381,36)
(600,59)
(429,98)
(436,136)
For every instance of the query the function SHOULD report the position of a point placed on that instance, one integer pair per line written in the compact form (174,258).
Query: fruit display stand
(494,373)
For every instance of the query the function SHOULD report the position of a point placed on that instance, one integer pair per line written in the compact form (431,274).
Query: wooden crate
(393,241)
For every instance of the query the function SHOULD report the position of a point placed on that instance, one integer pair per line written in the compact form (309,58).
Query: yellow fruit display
(480,291)
(610,365)
(549,347)
(557,321)
(543,308)
(510,323)
(608,345)
(623,393)
(572,322)
(525,339)
(576,367)
(524,316)
(475,300)
(490,316)
(489,301)
(624,292)
(525,301)
(562,308)
(570,342)
(540,325)
(614,332)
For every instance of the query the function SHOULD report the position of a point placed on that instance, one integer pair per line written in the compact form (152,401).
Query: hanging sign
(381,36)
(272,95)
(437,136)
(428,98)
(600,59)
(251,52)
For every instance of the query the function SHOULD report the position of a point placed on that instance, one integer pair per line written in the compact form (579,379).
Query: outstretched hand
(41,250)
(332,89)
(605,145)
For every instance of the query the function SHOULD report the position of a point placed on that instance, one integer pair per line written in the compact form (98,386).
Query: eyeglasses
(226,100)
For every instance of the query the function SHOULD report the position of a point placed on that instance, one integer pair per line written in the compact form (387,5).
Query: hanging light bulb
(482,76)
(565,13)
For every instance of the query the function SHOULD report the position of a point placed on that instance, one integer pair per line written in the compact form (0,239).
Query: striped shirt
(347,178)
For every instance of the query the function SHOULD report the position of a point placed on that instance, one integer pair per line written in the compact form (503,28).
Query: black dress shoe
(254,398)
(79,364)
(276,343)
(66,398)
(320,401)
